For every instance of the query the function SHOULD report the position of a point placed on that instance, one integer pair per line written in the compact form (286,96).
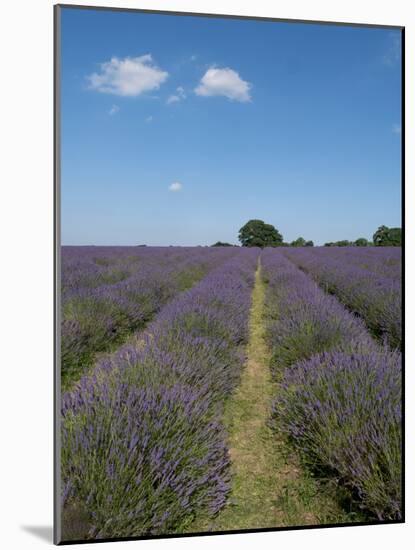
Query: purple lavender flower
(142,435)
(366,280)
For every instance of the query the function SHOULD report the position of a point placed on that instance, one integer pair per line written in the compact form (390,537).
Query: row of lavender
(339,399)
(380,260)
(108,292)
(143,443)
(366,281)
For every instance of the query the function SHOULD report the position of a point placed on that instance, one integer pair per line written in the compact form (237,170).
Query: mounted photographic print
(228,274)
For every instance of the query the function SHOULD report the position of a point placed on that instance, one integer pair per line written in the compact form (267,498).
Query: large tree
(259,233)
(388,236)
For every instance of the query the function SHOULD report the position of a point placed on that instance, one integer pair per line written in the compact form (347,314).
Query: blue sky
(178,130)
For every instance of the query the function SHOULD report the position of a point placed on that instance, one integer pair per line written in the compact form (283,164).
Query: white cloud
(193,57)
(175,187)
(225,82)
(130,76)
(149,118)
(396,129)
(114,110)
(178,96)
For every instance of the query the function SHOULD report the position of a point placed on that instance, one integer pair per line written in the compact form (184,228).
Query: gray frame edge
(57,272)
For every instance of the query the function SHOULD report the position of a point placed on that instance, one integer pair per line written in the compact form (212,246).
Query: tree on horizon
(259,233)
(299,242)
(220,243)
(388,236)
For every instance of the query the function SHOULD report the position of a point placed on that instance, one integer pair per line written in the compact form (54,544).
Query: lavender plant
(301,319)
(109,292)
(343,412)
(143,445)
(339,393)
(367,282)
(143,458)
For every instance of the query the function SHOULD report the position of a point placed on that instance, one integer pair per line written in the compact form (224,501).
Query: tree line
(261,234)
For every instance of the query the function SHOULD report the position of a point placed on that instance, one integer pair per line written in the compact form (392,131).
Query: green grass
(269,486)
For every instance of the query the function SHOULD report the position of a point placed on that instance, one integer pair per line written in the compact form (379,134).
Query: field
(214,389)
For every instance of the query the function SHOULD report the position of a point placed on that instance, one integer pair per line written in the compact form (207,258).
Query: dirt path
(269,488)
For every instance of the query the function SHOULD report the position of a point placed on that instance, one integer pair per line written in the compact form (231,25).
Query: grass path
(269,487)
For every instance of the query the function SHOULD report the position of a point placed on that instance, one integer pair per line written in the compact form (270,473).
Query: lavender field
(108,292)
(158,417)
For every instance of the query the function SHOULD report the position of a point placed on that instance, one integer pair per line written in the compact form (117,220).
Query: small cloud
(114,110)
(149,119)
(178,96)
(175,187)
(224,82)
(130,76)
(393,53)
(396,129)
(193,57)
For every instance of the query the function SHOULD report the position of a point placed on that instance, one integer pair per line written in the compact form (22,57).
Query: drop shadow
(43,532)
